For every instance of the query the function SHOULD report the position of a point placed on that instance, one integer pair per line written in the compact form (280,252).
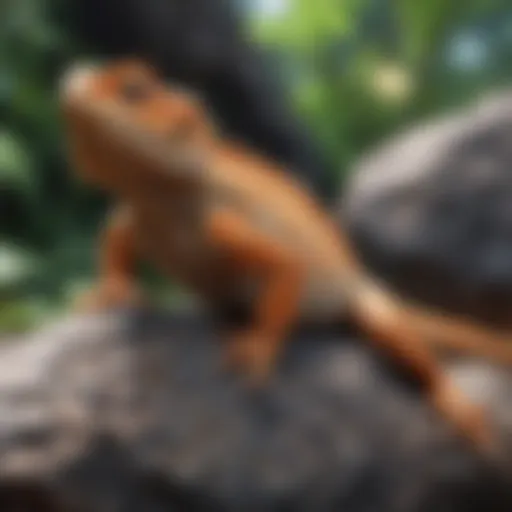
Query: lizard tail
(449,333)
(377,306)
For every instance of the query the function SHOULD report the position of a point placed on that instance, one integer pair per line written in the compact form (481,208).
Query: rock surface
(129,412)
(431,210)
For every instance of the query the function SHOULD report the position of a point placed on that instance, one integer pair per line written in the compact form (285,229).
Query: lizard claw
(252,355)
(468,418)
(109,294)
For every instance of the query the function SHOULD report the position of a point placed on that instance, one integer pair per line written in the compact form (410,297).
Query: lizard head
(129,130)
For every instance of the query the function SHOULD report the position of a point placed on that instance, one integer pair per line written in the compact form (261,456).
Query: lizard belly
(184,256)
(323,298)
(175,250)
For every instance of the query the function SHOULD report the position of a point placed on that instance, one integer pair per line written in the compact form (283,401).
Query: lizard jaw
(76,81)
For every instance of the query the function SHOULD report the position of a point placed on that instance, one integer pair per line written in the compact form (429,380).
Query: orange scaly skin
(229,224)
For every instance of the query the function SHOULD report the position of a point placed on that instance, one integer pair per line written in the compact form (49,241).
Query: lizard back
(282,210)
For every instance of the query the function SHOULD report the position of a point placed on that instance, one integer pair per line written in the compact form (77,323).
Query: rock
(430,210)
(129,412)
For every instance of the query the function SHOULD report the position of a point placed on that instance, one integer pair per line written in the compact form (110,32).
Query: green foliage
(16,265)
(357,71)
(15,164)
(363,68)
(304,25)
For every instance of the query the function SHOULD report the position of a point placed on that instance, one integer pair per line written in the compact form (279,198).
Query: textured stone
(130,412)
(430,210)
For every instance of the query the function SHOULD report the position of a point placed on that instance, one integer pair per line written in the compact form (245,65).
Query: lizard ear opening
(187,126)
(191,125)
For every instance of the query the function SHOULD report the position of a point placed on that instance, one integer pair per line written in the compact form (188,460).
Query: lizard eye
(135,91)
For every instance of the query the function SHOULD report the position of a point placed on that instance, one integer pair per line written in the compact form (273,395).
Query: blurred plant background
(358,70)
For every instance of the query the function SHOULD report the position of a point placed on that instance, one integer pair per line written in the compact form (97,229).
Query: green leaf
(306,24)
(16,265)
(22,315)
(15,163)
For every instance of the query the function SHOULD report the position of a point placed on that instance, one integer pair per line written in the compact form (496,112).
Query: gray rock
(130,412)
(430,210)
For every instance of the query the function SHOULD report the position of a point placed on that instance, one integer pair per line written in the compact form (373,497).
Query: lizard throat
(128,159)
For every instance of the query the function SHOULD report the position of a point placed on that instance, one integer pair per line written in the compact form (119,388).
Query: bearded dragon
(231,225)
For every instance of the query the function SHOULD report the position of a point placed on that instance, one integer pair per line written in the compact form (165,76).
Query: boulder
(130,411)
(430,210)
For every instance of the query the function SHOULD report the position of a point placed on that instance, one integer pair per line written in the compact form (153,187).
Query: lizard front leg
(256,349)
(116,285)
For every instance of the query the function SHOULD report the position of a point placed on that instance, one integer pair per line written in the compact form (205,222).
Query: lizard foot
(109,294)
(253,355)
(468,418)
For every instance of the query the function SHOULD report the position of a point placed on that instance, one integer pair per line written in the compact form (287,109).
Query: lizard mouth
(76,81)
